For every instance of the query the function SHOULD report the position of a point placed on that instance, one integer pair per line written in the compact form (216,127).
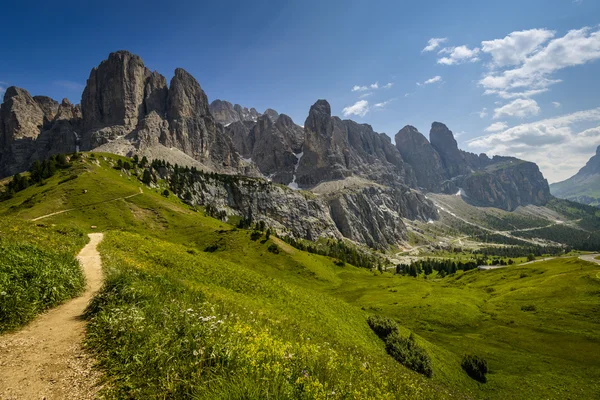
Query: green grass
(294,324)
(37,270)
(180,324)
(548,353)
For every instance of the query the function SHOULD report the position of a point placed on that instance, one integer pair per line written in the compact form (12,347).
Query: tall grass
(32,280)
(170,324)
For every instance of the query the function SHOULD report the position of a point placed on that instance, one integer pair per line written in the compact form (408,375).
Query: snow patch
(293,185)
(461,192)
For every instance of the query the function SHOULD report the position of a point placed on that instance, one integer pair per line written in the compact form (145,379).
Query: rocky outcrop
(371,215)
(508,183)
(374,215)
(226,113)
(335,149)
(424,159)
(33,128)
(192,129)
(273,146)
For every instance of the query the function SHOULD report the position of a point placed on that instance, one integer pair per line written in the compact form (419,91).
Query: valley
(193,306)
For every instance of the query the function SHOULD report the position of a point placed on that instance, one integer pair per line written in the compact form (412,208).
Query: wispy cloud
(433,44)
(360,108)
(383,103)
(70,85)
(483,113)
(362,96)
(430,81)
(357,88)
(556,104)
(372,86)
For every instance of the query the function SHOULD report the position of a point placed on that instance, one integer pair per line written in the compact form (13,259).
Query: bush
(475,367)
(382,326)
(255,235)
(408,353)
(273,248)
(529,307)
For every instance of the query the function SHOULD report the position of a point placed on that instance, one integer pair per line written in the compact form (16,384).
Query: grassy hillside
(582,189)
(241,321)
(37,269)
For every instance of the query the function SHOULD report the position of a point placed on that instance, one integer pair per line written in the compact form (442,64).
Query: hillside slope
(194,307)
(583,187)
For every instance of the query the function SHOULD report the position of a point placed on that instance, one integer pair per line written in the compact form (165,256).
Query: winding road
(45,359)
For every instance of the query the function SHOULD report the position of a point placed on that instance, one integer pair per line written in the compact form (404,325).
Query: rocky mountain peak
(319,119)
(442,138)
(186,98)
(421,155)
(271,114)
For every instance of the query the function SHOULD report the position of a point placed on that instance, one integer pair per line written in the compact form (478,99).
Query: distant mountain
(583,187)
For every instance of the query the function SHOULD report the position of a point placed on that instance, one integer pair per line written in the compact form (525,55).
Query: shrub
(408,353)
(475,367)
(382,326)
(529,307)
(273,248)
(255,235)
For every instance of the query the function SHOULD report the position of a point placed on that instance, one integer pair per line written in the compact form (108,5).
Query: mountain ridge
(128,109)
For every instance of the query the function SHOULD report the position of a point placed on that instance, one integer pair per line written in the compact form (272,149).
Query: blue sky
(539,62)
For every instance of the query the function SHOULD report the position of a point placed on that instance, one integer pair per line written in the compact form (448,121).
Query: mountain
(584,186)
(441,167)
(367,188)
(125,108)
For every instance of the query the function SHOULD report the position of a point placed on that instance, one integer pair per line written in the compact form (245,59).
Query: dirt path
(87,205)
(590,258)
(45,359)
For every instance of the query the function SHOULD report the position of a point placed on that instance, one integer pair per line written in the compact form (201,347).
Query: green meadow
(240,321)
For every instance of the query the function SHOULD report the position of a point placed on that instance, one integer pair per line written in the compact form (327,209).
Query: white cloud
(513,95)
(388,85)
(458,55)
(360,108)
(555,144)
(3,86)
(375,85)
(433,44)
(556,104)
(516,47)
(534,71)
(383,104)
(431,80)
(362,96)
(357,88)
(497,127)
(520,108)
(483,113)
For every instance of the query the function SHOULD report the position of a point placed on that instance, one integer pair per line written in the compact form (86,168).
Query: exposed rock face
(444,143)
(583,187)
(373,215)
(226,113)
(269,112)
(507,184)
(49,108)
(273,146)
(33,128)
(424,159)
(335,149)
